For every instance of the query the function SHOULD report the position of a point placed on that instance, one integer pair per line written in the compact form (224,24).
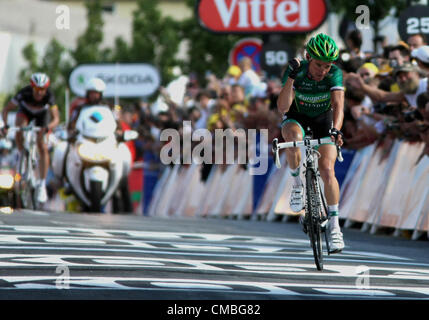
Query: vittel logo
(261,15)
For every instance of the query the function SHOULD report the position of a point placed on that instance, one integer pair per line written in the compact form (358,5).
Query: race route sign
(247,47)
(261,16)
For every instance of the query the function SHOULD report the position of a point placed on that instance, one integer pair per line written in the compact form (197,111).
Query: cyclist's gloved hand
(294,65)
(337,136)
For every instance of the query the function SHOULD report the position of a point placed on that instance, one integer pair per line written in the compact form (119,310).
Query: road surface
(53,255)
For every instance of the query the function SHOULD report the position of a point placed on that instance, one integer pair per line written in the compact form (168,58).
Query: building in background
(25,21)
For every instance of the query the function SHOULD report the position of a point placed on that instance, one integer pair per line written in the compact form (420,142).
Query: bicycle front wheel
(313,210)
(26,189)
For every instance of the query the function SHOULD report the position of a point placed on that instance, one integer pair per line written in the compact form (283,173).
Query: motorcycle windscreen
(96,122)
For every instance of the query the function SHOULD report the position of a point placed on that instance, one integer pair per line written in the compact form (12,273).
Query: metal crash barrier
(383,188)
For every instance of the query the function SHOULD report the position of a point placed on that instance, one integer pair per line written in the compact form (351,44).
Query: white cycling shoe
(297,198)
(336,242)
(42,194)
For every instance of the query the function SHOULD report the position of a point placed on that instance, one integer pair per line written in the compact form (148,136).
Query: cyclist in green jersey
(312,99)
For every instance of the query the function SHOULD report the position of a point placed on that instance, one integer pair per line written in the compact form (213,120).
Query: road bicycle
(28,168)
(316,211)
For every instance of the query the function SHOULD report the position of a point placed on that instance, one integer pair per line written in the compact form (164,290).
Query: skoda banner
(122,80)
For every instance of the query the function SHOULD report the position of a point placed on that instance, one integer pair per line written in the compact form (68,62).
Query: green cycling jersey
(313,98)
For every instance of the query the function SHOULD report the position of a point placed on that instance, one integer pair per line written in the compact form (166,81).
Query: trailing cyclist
(35,101)
(312,98)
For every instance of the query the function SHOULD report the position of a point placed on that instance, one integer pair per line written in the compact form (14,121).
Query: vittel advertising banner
(123,80)
(261,16)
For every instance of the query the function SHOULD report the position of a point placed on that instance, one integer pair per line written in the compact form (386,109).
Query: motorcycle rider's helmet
(97,85)
(40,80)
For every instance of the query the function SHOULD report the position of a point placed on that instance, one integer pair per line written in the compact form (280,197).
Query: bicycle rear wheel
(313,211)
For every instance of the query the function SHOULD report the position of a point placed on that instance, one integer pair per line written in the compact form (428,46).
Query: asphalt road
(53,255)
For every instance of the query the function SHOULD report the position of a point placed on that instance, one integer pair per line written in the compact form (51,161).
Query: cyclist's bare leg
(326,168)
(44,155)
(292,132)
(332,194)
(20,121)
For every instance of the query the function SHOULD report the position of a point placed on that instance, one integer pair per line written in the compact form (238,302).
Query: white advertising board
(122,80)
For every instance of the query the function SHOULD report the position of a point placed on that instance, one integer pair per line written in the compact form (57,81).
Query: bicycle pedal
(324,223)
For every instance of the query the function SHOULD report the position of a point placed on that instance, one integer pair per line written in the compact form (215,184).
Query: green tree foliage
(56,63)
(155,38)
(207,51)
(88,44)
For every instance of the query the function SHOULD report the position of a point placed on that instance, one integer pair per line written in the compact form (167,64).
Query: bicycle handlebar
(27,128)
(303,143)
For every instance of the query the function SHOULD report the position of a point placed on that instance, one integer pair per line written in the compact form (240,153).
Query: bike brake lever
(340,155)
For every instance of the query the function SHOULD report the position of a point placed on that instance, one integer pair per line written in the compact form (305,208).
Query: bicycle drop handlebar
(27,128)
(303,143)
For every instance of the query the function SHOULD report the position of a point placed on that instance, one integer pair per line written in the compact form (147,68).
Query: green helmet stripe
(323,47)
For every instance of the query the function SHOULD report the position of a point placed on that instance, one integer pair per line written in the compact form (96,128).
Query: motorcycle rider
(35,101)
(94,89)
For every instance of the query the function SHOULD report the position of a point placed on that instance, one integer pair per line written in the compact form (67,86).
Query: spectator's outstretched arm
(373,92)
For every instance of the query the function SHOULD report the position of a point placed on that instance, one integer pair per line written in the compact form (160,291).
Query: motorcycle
(95,159)
(8,177)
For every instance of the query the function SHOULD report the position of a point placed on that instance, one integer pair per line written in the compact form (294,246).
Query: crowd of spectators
(386,95)
(386,98)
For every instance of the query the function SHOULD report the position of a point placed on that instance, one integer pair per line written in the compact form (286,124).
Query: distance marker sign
(247,47)
(413,20)
(274,57)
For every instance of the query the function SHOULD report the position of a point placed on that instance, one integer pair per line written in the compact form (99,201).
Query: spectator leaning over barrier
(205,104)
(408,80)
(354,44)
(360,129)
(232,75)
(398,55)
(313,96)
(368,72)
(249,79)
(415,41)
(423,126)
(421,55)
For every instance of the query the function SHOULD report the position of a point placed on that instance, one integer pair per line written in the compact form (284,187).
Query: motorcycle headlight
(6,210)
(92,153)
(6,181)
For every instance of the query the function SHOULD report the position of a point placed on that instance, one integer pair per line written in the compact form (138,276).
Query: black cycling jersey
(33,109)
(25,99)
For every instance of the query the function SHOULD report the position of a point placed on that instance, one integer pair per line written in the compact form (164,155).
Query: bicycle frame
(316,213)
(27,168)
